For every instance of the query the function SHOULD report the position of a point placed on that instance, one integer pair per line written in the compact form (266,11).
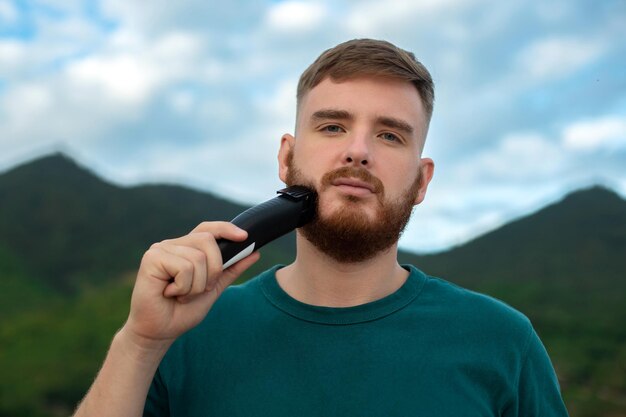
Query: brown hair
(369,57)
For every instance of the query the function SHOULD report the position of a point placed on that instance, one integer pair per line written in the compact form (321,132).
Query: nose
(357,152)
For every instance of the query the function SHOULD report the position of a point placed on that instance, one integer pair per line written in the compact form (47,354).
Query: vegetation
(70,244)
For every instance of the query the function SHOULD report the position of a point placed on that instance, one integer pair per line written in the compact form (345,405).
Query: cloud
(123,77)
(556,57)
(11,54)
(456,209)
(56,40)
(524,156)
(8,12)
(39,113)
(605,133)
(290,16)
(379,17)
(519,174)
(24,104)
(214,18)
(131,70)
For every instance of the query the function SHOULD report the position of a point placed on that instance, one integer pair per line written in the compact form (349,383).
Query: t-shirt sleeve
(539,394)
(157,403)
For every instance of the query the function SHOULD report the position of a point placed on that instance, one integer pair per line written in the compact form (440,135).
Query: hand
(178,282)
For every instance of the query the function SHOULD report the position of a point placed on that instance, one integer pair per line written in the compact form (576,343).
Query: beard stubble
(349,235)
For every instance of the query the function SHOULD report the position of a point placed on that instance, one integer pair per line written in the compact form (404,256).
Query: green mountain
(572,241)
(69,228)
(70,244)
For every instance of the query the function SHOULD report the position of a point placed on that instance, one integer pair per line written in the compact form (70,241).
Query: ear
(427,169)
(287,143)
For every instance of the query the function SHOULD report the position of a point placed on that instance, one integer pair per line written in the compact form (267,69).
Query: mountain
(68,227)
(580,239)
(63,224)
(70,244)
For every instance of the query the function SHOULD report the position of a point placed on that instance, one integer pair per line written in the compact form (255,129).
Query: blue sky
(530,95)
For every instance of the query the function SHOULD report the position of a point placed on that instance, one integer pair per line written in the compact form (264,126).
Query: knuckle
(202,227)
(160,245)
(150,255)
(198,287)
(198,257)
(202,236)
(214,269)
(187,267)
(211,226)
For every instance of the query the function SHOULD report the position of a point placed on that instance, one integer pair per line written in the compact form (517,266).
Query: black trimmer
(294,207)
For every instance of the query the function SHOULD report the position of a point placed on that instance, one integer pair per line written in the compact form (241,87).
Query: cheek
(299,173)
(313,155)
(309,168)
(401,180)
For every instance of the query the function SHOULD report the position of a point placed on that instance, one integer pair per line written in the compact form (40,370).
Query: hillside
(70,244)
(581,239)
(66,226)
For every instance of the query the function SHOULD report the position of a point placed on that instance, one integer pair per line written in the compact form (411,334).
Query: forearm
(121,387)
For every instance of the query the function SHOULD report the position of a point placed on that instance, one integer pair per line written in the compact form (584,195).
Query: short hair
(362,57)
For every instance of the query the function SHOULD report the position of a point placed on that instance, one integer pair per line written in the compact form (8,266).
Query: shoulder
(472,310)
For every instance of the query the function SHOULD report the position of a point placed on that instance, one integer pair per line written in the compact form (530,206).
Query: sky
(530,95)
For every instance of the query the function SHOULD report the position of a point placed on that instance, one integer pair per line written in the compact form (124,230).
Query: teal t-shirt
(429,349)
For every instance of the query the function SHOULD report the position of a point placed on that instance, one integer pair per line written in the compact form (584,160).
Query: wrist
(140,349)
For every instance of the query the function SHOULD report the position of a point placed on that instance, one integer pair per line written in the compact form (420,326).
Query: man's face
(358,144)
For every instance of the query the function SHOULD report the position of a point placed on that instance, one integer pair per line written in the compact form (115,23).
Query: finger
(180,270)
(199,260)
(214,266)
(222,230)
(206,243)
(226,278)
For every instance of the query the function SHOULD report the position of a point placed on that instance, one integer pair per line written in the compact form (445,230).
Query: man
(343,330)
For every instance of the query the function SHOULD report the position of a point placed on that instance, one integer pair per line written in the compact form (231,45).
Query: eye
(390,137)
(333,129)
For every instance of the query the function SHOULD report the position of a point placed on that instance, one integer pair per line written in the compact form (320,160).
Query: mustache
(353,172)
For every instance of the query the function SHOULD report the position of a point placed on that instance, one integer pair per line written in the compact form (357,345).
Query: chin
(348,205)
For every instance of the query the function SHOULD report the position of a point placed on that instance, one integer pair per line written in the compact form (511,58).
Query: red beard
(349,235)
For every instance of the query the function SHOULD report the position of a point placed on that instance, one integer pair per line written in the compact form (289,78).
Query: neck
(315,278)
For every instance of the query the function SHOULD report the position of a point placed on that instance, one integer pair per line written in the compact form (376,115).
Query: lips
(354,182)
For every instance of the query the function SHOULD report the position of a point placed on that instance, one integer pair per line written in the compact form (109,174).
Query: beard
(349,235)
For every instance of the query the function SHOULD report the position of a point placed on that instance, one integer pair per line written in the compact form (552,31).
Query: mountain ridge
(61,163)
(70,206)
(70,243)
(81,219)
(582,229)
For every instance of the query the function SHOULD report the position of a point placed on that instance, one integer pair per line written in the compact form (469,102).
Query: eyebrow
(397,124)
(332,114)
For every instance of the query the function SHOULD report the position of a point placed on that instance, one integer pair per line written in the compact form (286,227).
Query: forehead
(366,98)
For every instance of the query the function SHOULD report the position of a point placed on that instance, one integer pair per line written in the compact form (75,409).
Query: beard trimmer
(294,207)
